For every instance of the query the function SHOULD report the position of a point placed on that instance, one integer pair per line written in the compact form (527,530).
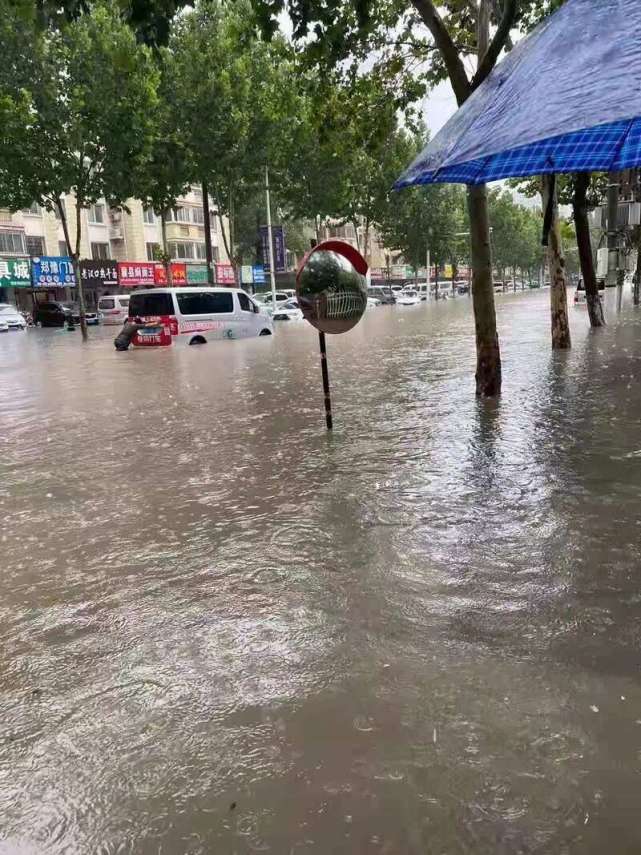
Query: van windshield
(149,305)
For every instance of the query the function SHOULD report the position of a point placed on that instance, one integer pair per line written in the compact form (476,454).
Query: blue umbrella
(566,99)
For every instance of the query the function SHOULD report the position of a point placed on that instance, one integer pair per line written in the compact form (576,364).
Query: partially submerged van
(196,316)
(113,308)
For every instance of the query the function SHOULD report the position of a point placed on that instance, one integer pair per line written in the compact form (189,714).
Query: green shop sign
(197,274)
(15,273)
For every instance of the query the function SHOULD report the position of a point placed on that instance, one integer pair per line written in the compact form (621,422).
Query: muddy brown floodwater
(222,631)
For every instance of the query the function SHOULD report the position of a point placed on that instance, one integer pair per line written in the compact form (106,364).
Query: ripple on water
(207,601)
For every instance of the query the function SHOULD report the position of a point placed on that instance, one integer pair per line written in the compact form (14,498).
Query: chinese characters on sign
(225,274)
(15,273)
(132,273)
(258,274)
(99,274)
(197,274)
(178,274)
(278,240)
(52,271)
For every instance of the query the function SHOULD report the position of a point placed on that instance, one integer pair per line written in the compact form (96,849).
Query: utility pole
(613,212)
(209,255)
(427,275)
(270,239)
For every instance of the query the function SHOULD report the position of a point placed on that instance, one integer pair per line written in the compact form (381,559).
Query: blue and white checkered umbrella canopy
(565,99)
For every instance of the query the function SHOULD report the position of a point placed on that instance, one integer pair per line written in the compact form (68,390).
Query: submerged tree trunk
(561,339)
(637,272)
(582,226)
(488,354)
(166,258)
(209,253)
(75,255)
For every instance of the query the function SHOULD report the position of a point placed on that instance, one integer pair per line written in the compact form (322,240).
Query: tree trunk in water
(582,226)
(561,339)
(488,354)
(637,272)
(167,260)
(209,255)
(74,261)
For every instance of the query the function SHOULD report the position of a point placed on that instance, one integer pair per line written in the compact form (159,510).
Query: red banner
(132,273)
(225,274)
(178,274)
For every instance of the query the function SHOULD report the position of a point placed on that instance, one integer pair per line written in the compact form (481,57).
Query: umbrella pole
(325,372)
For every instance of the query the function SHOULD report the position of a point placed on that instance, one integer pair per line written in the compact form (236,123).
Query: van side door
(249,315)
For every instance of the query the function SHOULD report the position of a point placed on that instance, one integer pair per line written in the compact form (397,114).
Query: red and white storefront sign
(225,274)
(133,273)
(178,274)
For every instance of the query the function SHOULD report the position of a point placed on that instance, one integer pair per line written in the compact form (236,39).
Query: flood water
(222,631)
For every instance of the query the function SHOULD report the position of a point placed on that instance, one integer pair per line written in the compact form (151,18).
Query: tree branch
(501,36)
(451,57)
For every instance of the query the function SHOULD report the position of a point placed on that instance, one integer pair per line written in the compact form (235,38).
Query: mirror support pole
(328,399)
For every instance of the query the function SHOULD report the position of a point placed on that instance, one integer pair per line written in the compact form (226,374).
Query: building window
(12,242)
(201,250)
(35,245)
(213,221)
(148,216)
(99,251)
(215,254)
(33,211)
(97,214)
(181,250)
(152,251)
(178,215)
(198,216)
(63,249)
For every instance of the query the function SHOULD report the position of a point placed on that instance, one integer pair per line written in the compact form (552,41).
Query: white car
(288,311)
(408,298)
(113,308)
(372,302)
(10,316)
(265,299)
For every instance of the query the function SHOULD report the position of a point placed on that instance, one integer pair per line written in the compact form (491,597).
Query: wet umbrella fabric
(566,99)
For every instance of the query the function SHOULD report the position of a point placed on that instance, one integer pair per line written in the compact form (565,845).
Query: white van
(113,308)
(196,315)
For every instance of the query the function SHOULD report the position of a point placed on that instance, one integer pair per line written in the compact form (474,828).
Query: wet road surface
(222,631)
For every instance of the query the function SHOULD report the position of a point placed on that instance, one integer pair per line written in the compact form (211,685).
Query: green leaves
(87,98)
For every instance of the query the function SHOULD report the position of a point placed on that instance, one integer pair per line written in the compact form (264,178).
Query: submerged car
(51,314)
(580,295)
(288,311)
(408,298)
(382,293)
(11,318)
(90,316)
